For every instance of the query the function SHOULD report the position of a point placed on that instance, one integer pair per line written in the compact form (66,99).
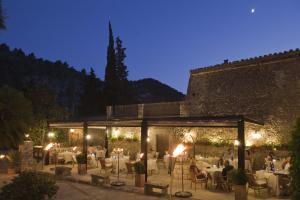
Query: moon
(252,10)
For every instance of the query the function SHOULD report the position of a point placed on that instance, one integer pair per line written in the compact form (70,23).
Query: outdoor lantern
(88,137)
(236,142)
(177,152)
(256,135)
(51,135)
(118,182)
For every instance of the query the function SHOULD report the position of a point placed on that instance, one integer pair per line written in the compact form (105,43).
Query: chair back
(102,162)
(218,177)
(193,175)
(129,168)
(251,180)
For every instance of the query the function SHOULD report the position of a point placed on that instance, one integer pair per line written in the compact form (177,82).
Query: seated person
(286,164)
(226,169)
(198,173)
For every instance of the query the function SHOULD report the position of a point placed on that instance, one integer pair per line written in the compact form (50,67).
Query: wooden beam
(241,147)
(85,132)
(108,132)
(144,148)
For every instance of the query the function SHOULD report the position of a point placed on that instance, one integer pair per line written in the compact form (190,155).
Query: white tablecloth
(151,165)
(272,178)
(91,160)
(122,161)
(67,156)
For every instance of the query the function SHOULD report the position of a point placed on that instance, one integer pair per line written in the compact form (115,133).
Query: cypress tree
(110,84)
(122,73)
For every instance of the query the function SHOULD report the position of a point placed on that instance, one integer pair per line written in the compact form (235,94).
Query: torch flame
(49,146)
(179,149)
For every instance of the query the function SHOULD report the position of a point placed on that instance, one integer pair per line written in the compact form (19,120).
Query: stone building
(247,103)
(265,88)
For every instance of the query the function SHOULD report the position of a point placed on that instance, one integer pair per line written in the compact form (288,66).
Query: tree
(110,84)
(45,108)
(295,161)
(121,68)
(2,24)
(91,101)
(15,117)
(124,96)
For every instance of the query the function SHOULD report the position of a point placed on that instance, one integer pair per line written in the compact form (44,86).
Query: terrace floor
(163,177)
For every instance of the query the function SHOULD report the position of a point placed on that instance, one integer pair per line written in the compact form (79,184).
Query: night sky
(164,38)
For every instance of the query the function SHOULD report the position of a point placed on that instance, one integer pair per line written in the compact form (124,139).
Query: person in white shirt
(286,164)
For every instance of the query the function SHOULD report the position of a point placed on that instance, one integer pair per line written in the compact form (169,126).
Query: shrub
(139,168)
(81,158)
(30,186)
(238,176)
(295,161)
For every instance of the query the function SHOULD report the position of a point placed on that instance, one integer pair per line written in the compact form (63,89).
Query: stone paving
(162,178)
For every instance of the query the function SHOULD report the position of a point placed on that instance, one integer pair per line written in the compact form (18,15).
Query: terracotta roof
(275,57)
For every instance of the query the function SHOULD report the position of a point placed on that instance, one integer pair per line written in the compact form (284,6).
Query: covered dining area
(113,146)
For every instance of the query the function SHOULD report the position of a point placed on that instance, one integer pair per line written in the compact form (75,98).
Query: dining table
(151,165)
(272,178)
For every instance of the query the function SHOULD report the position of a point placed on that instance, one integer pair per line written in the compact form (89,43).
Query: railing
(145,110)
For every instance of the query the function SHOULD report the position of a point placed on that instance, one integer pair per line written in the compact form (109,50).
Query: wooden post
(108,132)
(144,136)
(85,132)
(241,147)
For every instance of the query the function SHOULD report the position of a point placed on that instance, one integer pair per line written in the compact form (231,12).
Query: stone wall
(265,88)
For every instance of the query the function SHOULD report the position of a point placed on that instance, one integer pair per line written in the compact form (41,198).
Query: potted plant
(81,161)
(238,178)
(139,174)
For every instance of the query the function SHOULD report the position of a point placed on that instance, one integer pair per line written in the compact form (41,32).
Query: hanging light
(51,134)
(88,137)
(72,130)
(236,143)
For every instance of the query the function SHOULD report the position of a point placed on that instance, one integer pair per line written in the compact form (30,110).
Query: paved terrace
(200,193)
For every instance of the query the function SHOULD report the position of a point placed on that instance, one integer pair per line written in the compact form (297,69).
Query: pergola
(229,121)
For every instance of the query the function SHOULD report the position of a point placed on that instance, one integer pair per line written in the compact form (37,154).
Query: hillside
(20,71)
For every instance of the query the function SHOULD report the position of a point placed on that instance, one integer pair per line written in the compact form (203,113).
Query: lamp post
(118,182)
(177,152)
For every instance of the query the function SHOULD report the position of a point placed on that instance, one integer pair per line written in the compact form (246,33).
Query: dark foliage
(15,117)
(111,84)
(150,91)
(238,176)
(139,167)
(30,186)
(295,161)
(22,71)
(81,158)
(91,101)
(58,86)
